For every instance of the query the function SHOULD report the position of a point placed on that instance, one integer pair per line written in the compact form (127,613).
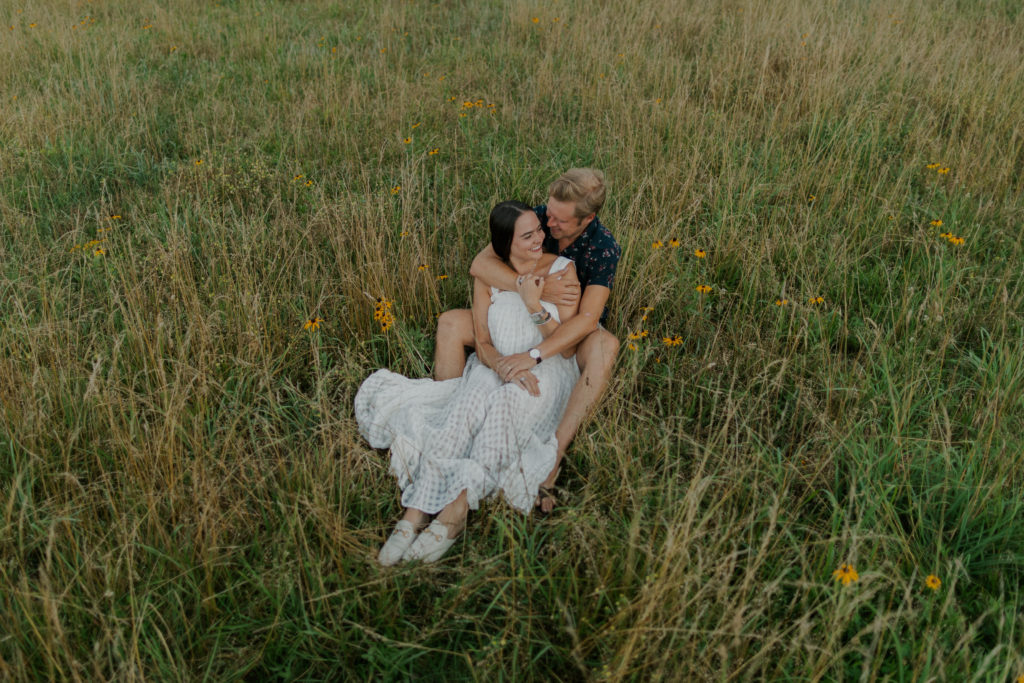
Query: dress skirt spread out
(473,432)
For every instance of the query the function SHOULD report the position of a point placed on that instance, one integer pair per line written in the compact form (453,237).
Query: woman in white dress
(456,442)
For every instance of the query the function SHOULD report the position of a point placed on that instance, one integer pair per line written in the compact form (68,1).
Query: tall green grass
(184,494)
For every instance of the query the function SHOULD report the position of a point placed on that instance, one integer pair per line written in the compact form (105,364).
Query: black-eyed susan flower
(407,140)
(815,300)
(674,243)
(944,170)
(932,166)
(115,217)
(199,162)
(416,125)
(313,324)
(434,151)
(933,582)
(382,314)
(174,48)
(535,20)
(309,183)
(441,277)
(958,241)
(99,251)
(423,266)
(672,341)
(404,233)
(937,223)
(811,199)
(657,244)
(462,115)
(782,302)
(700,253)
(396,189)
(846,574)
(631,346)
(704,289)
(946,235)
(299,177)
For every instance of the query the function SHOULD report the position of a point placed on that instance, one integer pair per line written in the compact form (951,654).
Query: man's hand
(509,367)
(527,381)
(562,287)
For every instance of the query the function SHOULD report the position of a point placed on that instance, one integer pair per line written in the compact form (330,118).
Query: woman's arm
(485,350)
(530,290)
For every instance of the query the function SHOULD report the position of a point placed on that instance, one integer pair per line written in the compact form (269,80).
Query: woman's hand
(527,381)
(529,288)
(510,367)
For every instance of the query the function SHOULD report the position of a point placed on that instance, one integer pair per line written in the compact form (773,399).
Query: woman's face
(528,238)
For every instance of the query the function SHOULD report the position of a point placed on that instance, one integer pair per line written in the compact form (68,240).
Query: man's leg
(596,356)
(454,334)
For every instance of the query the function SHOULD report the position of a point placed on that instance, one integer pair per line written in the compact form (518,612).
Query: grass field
(183,491)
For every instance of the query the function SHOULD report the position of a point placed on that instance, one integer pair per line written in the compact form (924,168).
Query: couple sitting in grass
(502,419)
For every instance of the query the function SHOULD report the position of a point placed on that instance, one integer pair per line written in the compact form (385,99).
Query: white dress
(473,432)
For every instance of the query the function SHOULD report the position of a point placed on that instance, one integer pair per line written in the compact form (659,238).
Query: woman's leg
(417,517)
(454,514)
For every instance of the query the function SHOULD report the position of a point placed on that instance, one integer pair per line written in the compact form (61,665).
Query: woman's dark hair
(503,226)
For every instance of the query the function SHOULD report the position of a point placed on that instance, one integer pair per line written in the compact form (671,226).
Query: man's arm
(566,337)
(492,270)
(561,288)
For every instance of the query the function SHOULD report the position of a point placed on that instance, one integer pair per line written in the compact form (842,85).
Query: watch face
(535,353)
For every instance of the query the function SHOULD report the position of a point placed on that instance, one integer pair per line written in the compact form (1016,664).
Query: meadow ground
(781,462)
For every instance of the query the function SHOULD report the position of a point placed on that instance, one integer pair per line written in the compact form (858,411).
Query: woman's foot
(402,537)
(431,544)
(398,543)
(437,538)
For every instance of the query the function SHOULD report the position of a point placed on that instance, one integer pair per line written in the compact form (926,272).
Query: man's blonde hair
(583,186)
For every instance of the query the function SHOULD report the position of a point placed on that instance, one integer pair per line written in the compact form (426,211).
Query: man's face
(562,220)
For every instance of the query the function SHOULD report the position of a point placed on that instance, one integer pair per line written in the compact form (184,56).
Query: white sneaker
(431,544)
(397,544)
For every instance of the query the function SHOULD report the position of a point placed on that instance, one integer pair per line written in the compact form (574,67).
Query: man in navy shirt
(572,229)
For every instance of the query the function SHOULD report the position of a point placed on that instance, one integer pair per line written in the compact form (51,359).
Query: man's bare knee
(598,350)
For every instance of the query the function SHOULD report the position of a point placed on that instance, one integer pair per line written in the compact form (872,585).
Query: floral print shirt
(595,252)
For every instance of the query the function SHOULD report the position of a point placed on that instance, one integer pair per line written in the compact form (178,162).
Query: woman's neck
(523,266)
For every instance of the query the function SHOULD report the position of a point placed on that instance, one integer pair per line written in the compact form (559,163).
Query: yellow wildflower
(313,324)
(704,289)
(631,346)
(657,244)
(814,300)
(199,162)
(781,302)
(423,266)
(407,140)
(811,199)
(99,251)
(846,574)
(700,253)
(442,277)
(937,223)
(535,20)
(944,170)
(396,189)
(933,582)
(434,151)
(932,166)
(416,125)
